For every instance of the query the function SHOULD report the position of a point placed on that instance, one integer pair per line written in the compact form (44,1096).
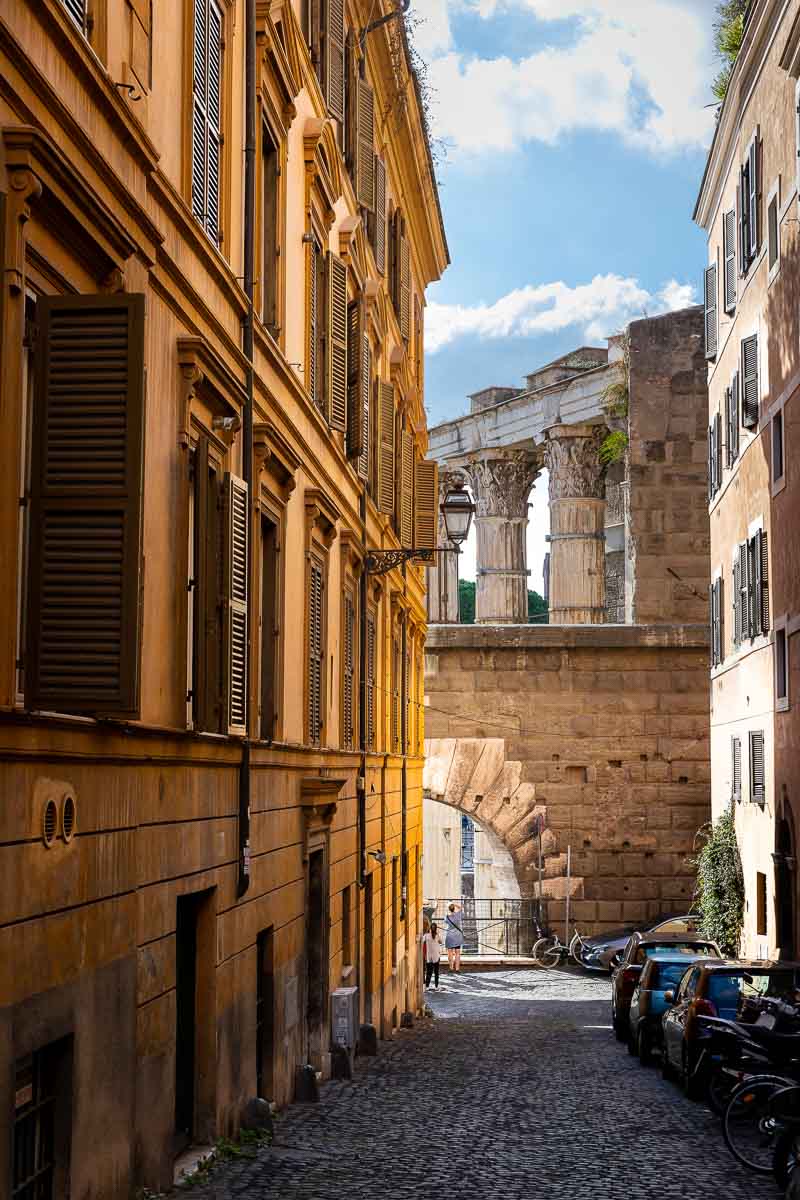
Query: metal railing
(492,927)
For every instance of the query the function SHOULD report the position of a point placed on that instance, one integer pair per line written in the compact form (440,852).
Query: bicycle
(550,952)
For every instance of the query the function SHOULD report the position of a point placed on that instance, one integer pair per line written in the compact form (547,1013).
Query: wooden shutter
(405,287)
(757,768)
(355,372)
(366,370)
(348,673)
(753,605)
(710,462)
(720,620)
(740,222)
(710,289)
(713,604)
(371,668)
(718,449)
(744,593)
(377,219)
(737,600)
(207,116)
(797,133)
(397,668)
(78,10)
(736,768)
(728,442)
(406,529)
(761,597)
(749,378)
(311,320)
(729,259)
(752,204)
(236,572)
(333,49)
(386,453)
(426,504)
(316,597)
(365,144)
(201,709)
(733,424)
(336,343)
(83,643)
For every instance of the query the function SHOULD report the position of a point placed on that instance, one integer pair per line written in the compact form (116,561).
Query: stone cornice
(548,637)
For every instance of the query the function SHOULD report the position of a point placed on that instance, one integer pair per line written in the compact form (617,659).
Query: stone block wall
(601,730)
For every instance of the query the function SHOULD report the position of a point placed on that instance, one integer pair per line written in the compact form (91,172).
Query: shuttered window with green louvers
(749,381)
(236,582)
(336,343)
(84,618)
(316,652)
(207,117)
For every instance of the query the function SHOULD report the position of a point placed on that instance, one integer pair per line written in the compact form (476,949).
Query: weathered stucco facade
(599,729)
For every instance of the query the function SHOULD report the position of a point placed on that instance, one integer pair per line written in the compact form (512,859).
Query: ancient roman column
(577,520)
(501,481)
(442,575)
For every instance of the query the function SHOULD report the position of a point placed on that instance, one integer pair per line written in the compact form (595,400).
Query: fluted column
(501,482)
(577,524)
(442,575)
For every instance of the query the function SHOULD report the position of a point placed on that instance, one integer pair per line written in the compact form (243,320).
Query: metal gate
(505,927)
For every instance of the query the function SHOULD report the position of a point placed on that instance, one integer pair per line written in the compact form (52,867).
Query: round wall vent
(50,822)
(68,817)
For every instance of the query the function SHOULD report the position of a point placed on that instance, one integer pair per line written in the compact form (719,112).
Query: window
(25,467)
(270,208)
(316,651)
(363,146)
(714,456)
(426,504)
(781,667)
(269,627)
(348,672)
(386,452)
(394,912)
(751,588)
(347,931)
(315,301)
(732,419)
(323,27)
(83,612)
(326,351)
(777,447)
(710,292)
(757,773)
(736,768)
(749,384)
(359,360)
(761,903)
(42,1123)
(729,260)
(376,221)
(371,682)
(773,233)
(749,197)
(717,632)
(405,489)
(207,117)
(400,278)
(397,684)
(79,11)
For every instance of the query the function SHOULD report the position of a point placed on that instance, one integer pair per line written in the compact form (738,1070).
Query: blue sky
(576,135)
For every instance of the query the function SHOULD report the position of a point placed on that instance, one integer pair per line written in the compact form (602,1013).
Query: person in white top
(433,952)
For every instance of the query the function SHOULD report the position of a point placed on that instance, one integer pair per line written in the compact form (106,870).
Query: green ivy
(720,885)
(613,447)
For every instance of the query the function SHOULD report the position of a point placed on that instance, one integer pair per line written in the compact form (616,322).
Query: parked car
(605,951)
(717,988)
(662,973)
(638,950)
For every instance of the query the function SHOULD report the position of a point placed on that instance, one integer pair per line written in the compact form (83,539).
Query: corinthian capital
(501,482)
(572,456)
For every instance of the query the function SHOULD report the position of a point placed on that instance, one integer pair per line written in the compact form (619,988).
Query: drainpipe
(247,433)
(361,782)
(404,747)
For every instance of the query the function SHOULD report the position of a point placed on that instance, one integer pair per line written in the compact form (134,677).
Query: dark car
(638,951)
(717,988)
(605,951)
(661,974)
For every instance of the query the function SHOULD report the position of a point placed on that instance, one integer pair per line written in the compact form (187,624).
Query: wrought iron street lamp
(457,509)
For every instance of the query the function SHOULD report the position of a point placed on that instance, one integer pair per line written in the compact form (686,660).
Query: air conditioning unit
(344,1017)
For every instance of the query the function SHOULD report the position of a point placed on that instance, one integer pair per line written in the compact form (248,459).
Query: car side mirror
(669,996)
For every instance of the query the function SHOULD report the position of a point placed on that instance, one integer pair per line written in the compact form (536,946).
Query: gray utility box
(344,1017)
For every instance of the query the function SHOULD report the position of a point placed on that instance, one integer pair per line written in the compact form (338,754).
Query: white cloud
(638,68)
(432,33)
(598,308)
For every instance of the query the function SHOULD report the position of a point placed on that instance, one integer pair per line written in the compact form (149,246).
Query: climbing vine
(615,405)
(719,895)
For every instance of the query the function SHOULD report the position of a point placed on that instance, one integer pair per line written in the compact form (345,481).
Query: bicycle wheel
(786,1156)
(749,1131)
(575,947)
(547,952)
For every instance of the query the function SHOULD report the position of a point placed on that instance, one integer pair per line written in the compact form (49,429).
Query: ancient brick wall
(604,731)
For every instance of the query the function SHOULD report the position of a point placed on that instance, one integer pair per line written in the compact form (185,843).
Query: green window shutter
(729,259)
(710,292)
(236,551)
(336,343)
(426,504)
(333,49)
(744,594)
(749,384)
(365,145)
(386,453)
(83,652)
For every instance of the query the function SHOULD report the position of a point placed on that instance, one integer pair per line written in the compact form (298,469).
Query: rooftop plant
(728,34)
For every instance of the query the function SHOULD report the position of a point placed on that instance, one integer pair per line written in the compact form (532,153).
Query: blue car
(661,973)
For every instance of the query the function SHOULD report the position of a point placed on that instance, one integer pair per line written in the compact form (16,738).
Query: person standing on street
(433,952)
(454,938)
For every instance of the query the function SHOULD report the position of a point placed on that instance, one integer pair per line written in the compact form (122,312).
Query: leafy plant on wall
(615,406)
(719,896)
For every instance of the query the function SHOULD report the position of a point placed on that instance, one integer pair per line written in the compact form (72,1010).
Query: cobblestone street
(515,1089)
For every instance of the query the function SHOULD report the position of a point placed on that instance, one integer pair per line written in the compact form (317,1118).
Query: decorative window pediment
(276,56)
(205,376)
(274,454)
(321,514)
(323,168)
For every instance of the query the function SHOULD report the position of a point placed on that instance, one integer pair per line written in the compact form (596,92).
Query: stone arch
(474,776)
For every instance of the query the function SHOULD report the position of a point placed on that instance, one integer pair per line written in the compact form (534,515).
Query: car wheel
(645,1048)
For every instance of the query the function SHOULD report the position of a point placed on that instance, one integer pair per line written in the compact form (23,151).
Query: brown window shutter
(83,647)
(406,489)
(405,288)
(718,449)
(762,575)
(365,145)
(201,714)
(311,320)
(386,453)
(377,220)
(237,511)
(753,198)
(315,652)
(749,381)
(426,504)
(336,343)
(729,259)
(371,668)
(355,372)
(757,768)
(333,48)
(733,428)
(737,600)
(366,368)
(348,674)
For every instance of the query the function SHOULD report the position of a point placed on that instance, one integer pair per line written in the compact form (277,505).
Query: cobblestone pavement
(515,1089)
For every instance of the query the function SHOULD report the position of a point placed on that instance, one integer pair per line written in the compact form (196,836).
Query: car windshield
(667,975)
(646,950)
(679,925)
(730,991)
